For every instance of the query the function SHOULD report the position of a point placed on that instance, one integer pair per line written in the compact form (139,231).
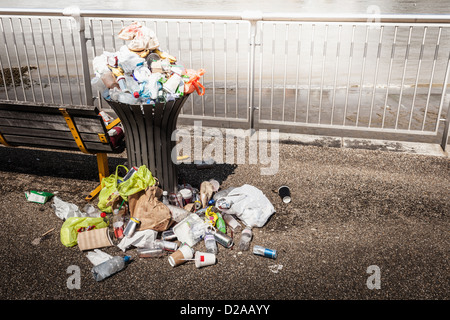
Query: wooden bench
(64,127)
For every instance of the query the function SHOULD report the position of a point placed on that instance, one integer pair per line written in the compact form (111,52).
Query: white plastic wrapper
(65,209)
(140,239)
(250,205)
(128,60)
(97,256)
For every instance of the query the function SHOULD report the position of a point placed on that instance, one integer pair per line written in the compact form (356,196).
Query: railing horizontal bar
(347,127)
(245,15)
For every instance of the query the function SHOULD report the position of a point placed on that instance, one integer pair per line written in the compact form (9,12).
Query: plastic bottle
(97,84)
(117,224)
(178,213)
(210,243)
(127,98)
(220,223)
(232,222)
(109,267)
(165,198)
(246,237)
(109,80)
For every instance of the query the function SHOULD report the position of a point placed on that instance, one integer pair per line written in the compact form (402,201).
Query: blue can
(261,251)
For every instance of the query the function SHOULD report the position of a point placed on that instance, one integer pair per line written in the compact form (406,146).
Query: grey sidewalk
(352,208)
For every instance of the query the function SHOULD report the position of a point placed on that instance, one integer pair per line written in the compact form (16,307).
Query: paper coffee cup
(203,259)
(181,255)
(187,195)
(285,194)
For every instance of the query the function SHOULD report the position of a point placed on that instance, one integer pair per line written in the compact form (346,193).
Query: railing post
(445,134)
(253,17)
(74,12)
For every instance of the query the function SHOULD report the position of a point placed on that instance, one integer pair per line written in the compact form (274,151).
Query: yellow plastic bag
(140,180)
(109,186)
(70,227)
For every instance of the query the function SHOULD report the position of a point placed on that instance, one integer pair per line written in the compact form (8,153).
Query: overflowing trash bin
(146,87)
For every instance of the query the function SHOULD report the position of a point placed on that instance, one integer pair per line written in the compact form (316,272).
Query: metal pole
(80,27)
(253,17)
(445,134)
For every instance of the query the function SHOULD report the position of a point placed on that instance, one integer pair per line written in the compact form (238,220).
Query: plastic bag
(128,60)
(193,83)
(69,233)
(250,205)
(64,210)
(140,180)
(97,256)
(140,239)
(142,38)
(109,186)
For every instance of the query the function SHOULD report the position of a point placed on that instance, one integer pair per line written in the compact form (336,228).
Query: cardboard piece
(94,239)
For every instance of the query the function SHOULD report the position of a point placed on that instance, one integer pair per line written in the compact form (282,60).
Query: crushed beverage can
(222,204)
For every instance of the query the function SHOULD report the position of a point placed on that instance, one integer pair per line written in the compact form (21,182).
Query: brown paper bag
(152,213)
(206,191)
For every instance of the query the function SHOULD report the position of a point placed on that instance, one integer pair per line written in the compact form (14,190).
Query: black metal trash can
(148,136)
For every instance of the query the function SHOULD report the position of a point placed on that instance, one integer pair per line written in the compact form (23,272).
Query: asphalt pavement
(362,225)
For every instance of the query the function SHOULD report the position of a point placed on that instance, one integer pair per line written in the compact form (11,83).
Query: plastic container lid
(126,258)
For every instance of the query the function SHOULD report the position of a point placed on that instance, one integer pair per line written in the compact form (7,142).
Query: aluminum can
(224,239)
(261,251)
(131,227)
(168,235)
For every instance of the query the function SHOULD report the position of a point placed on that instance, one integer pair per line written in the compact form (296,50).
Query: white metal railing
(364,73)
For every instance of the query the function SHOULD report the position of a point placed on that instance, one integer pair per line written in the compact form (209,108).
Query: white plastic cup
(215,184)
(187,195)
(180,256)
(172,84)
(203,259)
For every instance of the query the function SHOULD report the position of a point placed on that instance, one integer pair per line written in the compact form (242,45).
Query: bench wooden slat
(49,109)
(55,143)
(83,124)
(40,133)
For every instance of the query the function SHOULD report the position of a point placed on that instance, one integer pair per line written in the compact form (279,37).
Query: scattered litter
(97,256)
(250,205)
(275,268)
(36,241)
(38,196)
(65,210)
(140,239)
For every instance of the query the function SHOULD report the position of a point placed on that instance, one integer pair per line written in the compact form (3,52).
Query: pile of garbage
(134,213)
(141,72)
